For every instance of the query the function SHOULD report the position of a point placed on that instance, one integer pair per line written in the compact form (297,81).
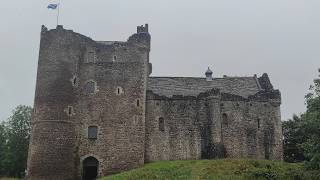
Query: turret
(208,74)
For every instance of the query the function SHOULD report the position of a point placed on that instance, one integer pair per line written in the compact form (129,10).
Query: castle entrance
(90,168)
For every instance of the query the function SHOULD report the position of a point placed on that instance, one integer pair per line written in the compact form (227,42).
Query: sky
(233,37)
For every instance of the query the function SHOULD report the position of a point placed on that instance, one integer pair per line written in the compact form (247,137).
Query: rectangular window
(91,57)
(161,124)
(92,132)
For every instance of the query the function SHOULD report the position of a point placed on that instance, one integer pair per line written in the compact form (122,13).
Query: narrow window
(161,124)
(90,58)
(258,122)
(70,110)
(92,132)
(74,80)
(114,58)
(225,120)
(119,91)
(138,102)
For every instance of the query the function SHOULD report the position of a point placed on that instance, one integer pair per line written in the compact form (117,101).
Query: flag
(52,6)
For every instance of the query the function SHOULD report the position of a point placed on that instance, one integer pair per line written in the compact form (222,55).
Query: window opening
(225,119)
(74,80)
(90,87)
(92,132)
(70,110)
(90,58)
(161,124)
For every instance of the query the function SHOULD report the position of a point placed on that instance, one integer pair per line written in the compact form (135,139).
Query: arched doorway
(90,168)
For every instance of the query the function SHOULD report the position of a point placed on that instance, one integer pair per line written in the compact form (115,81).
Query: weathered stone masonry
(97,110)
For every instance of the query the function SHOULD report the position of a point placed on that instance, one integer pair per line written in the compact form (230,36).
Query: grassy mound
(216,170)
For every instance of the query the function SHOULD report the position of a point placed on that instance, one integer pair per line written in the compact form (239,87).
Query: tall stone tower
(89,109)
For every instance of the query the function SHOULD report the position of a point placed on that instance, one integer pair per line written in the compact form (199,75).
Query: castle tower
(52,152)
(89,109)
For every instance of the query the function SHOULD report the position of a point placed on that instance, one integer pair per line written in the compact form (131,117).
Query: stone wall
(84,83)
(52,152)
(117,106)
(213,125)
(180,137)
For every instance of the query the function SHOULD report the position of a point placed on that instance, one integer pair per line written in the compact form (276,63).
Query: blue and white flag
(52,6)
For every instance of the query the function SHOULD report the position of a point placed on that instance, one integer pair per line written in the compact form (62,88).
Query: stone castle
(98,111)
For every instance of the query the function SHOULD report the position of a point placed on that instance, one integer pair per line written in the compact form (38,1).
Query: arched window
(225,120)
(138,102)
(92,132)
(114,58)
(161,124)
(258,123)
(90,87)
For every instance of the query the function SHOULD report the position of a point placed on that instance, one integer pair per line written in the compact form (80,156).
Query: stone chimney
(208,75)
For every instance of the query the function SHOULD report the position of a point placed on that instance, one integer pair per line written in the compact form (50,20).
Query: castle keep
(98,111)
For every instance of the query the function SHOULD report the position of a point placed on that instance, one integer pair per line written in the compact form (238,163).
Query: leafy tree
(311,126)
(17,130)
(293,138)
(3,140)
(302,134)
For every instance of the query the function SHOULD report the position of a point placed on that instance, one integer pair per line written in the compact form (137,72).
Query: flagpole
(58,13)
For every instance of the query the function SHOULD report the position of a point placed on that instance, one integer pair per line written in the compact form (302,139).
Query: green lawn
(222,169)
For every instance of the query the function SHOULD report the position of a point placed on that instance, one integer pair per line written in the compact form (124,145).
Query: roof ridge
(228,77)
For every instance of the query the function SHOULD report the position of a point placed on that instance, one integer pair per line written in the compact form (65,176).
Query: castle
(97,111)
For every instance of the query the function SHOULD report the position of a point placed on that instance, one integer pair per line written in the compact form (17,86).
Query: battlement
(142,29)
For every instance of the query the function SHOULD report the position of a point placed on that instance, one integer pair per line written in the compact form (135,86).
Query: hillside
(215,169)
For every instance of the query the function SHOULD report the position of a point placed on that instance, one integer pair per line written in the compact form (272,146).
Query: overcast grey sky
(233,37)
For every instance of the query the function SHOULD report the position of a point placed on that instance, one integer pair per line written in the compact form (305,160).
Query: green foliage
(311,127)
(293,139)
(222,169)
(302,134)
(15,135)
(3,139)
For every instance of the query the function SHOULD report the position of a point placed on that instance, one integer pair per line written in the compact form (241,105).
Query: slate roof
(192,86)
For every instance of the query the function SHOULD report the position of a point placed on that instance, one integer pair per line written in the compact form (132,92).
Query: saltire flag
(52,6)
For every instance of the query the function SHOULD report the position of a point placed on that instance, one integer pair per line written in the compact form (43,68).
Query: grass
(222,169)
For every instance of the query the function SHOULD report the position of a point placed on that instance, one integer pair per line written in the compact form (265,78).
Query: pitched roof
(192,86)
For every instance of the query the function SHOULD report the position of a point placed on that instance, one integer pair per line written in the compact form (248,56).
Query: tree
(17,130)
(311,127)
(302,134)
(3,140)
(293,139)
